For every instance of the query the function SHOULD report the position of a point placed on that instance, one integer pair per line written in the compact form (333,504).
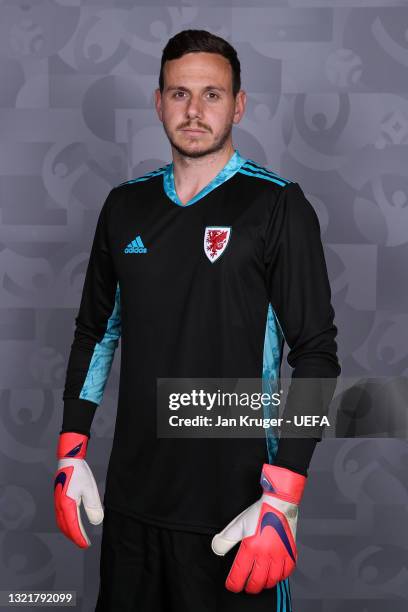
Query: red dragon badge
(215,241)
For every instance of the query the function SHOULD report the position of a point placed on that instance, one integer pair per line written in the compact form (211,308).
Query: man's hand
(74,482)
(267,531)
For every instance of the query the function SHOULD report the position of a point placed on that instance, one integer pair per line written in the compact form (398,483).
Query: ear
(240,105)
(158,103)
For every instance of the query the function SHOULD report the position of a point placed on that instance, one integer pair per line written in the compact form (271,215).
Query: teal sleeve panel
(97,333)
(300,294)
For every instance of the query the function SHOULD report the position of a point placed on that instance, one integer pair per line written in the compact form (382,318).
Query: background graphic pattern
(327,107)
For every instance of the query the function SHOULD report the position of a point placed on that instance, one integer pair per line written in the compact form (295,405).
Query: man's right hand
(74,482)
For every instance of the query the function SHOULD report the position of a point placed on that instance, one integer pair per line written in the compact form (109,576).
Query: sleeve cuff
(78,416)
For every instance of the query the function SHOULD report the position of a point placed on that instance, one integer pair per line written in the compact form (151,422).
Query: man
(203,267)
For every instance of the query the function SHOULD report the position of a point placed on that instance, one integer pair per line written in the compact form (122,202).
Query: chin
(192,151)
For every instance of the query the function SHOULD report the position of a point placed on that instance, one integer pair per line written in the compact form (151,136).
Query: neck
(193,174)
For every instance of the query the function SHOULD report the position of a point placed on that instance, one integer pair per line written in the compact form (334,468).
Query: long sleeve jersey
(210,288)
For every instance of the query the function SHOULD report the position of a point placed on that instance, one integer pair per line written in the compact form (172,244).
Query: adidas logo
(136,246)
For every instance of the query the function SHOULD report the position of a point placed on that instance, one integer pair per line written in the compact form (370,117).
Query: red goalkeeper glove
(267,531)
(74,482)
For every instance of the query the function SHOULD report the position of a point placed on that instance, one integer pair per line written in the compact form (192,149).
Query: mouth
(193,131)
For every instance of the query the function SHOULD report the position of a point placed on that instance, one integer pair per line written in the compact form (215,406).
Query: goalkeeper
(203,267)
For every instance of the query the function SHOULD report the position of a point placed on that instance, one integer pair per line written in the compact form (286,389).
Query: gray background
(327,86)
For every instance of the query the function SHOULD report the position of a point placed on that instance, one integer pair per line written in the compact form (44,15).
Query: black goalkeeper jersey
(211,288)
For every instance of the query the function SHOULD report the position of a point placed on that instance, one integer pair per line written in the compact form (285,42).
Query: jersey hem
(152,520)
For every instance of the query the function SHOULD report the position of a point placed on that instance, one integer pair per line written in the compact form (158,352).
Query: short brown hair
(193,41)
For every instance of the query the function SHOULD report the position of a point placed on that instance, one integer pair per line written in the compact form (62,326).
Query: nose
(194,108)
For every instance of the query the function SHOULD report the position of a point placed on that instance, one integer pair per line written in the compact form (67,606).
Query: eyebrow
(182,88)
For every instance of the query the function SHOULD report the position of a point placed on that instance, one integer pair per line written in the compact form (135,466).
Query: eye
(212,95)
(179,94)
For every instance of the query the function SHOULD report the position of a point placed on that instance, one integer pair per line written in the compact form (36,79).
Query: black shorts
(145,568)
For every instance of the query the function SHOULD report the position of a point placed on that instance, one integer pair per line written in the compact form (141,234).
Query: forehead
(198,68)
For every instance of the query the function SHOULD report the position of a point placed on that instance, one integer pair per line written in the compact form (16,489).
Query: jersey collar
(231,167)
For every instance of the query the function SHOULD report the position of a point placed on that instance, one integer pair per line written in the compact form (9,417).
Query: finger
(288,567)
(76,531)
(221,545)
(234,532)
(66,510)
(59,516)
(91,499)
(59,486)
(275,573)
(93,508)
(259,575)
(240,569)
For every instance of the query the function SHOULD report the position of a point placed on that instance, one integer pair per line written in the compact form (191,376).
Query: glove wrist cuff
(72,445)
(283,483)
